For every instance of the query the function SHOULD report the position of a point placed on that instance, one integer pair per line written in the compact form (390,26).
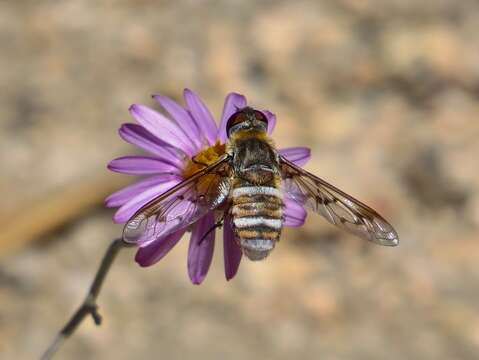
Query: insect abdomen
(257,213)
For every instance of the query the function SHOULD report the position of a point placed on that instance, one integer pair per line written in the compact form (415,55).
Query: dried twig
(89,305)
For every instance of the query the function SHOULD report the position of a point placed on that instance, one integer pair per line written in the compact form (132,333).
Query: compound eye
(235,119)
(260,116)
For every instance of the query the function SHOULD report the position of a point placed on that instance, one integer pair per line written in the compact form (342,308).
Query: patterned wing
(180,206)
(336,206)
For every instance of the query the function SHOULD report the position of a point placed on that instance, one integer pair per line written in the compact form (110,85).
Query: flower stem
(89,305)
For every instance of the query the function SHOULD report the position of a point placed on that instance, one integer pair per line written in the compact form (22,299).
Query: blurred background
(384,92)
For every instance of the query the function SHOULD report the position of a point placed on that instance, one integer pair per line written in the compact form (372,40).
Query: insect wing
(336,206)
(180,206)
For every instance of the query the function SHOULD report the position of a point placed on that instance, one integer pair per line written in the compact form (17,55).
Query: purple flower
(171,143)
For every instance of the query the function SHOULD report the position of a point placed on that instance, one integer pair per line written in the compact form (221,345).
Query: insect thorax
(254,158)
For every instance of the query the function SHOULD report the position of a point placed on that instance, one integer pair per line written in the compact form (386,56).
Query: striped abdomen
(257,213)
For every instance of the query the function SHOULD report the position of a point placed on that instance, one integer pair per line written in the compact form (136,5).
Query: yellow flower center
(203,159)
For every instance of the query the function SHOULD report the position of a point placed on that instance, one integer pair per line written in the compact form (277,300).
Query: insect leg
(215,226)
(198,162)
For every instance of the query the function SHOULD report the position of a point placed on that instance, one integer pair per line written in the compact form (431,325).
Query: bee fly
(256,198)
(246,183)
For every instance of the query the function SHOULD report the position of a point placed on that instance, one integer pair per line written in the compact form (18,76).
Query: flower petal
(294,213)
(233,102)
(162,127)
(232,251)
(142,165)
(154,252)
(124,195)
(126,211)
(298,155)
(202,116)
(271,120)
(182,118)
(137,135)
(200,252)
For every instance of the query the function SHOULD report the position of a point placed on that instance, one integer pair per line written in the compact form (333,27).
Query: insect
(247,186)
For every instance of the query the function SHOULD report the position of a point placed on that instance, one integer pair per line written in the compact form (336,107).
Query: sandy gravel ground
(384,92)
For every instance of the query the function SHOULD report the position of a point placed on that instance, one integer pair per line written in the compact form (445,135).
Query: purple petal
(142,165)
(271,120)
(154,252)
(233,102)
(298,155)
(137,135)
(232,251)
(124,195)
(294,214)
(202,116)
(163,128)
(200,252)
(127,210)
(182,118)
